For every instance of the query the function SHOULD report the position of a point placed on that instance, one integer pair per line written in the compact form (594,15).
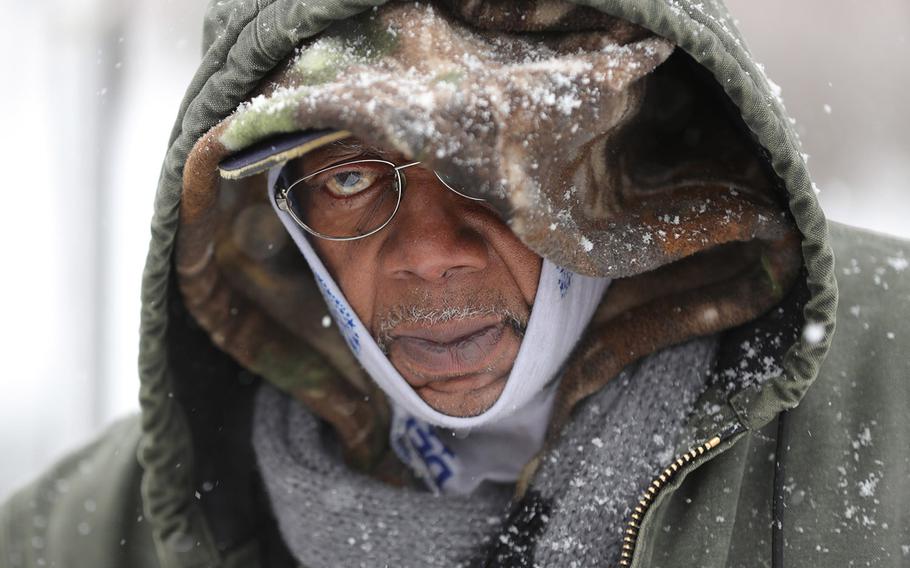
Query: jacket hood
(610,153)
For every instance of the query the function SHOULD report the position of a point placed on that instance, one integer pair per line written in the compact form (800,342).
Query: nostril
(435,265)
(456,270)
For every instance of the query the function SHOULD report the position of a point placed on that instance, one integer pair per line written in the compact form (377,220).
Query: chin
(463,404)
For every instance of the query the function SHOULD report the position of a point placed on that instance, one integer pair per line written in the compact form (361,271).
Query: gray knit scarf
(617,441)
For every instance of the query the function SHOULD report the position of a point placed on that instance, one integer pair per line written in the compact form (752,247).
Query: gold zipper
(632,527)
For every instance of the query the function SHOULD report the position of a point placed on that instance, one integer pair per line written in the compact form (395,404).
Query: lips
(456,356)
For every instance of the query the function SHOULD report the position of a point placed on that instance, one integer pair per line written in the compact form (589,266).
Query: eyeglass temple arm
(406,165)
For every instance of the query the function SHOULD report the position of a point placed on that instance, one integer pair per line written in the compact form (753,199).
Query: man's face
(446,288)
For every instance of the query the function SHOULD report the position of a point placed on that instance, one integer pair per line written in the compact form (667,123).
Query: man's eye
(349,182)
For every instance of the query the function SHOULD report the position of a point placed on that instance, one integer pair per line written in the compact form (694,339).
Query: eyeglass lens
(346,201)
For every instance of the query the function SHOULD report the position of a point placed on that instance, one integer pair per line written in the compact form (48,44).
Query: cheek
(523,263)
(529,278)
(353,267)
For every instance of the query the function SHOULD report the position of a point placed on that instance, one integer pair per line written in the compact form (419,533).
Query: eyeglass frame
(281,196)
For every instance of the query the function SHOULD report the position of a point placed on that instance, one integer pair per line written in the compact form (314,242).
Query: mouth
(454,357)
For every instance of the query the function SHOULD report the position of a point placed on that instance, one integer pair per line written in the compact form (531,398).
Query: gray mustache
(428,316)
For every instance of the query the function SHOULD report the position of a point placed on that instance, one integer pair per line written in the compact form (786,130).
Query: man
(579,286)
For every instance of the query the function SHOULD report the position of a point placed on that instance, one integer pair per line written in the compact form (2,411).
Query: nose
(430,238)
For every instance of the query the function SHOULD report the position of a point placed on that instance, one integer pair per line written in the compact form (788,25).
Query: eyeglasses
(347,201)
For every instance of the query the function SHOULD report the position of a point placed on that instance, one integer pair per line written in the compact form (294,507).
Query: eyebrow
(350,148)
(360,147)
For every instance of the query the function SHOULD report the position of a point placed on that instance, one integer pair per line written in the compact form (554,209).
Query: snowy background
(90,98)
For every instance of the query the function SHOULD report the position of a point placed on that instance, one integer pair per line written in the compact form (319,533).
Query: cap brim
(278,149)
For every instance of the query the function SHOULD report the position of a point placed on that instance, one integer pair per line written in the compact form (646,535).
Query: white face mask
(563,306)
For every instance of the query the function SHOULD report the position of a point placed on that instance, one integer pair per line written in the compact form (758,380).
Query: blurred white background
(91,91)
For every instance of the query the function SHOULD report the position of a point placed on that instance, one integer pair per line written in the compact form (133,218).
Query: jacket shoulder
(866,370)
(868,351)
(871,264)
(841,456)
(845,459)
(86,510)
